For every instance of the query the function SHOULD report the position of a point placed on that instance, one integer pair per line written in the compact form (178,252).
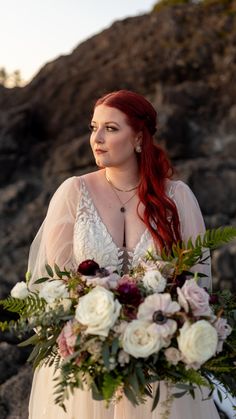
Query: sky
(34,32)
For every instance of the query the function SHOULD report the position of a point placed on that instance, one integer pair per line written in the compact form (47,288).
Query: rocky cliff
(183,59)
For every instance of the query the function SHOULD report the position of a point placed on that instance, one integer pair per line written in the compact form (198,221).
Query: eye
(92,127)
(110,128)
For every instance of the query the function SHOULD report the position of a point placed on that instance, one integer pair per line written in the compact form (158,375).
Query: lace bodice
(92,240)
(73,231)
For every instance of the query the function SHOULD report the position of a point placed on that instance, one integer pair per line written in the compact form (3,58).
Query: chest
(102,240)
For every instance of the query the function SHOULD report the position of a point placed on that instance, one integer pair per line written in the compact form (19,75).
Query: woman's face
(112,140)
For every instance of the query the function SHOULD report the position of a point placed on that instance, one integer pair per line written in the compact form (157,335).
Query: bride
(114,215)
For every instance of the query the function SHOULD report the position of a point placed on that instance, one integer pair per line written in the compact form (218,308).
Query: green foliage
(69,379)
(101,368)
(24,307)
(186,255)
(110,384)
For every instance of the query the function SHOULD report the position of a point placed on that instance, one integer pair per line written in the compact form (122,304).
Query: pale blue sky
(33,32)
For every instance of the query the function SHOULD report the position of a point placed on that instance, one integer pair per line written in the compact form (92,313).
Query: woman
(114,215)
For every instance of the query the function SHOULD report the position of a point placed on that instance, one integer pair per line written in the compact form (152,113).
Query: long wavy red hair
(160,214)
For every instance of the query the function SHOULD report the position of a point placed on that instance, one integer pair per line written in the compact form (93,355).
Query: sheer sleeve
(54,241)
(191,224)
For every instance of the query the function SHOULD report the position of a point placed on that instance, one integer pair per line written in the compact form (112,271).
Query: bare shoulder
(92,176)
(93,180)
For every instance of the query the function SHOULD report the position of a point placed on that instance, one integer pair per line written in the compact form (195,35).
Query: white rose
(20,290)
(53,290)
(141,339)
(98,311)
(197,342)
(154,281)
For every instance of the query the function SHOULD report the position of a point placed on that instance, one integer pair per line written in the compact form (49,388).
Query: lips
(99,151)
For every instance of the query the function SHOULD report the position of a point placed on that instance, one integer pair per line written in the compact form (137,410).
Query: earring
(138,149)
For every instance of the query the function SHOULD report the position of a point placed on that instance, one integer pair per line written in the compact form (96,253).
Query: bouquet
(118,334)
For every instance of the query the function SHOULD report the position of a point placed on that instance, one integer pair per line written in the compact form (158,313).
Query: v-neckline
(130,251)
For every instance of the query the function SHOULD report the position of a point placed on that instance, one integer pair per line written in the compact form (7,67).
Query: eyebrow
(108,122)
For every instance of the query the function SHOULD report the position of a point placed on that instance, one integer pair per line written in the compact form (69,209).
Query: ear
(139,139)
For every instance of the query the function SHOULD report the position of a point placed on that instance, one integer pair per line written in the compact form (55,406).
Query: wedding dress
(73,231)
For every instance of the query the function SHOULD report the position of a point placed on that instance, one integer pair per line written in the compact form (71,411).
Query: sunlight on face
(112,140)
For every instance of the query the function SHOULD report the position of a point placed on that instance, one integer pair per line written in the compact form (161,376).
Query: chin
(100,164)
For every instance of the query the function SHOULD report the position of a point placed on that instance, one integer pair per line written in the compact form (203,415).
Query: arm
(191,224)
(54,240)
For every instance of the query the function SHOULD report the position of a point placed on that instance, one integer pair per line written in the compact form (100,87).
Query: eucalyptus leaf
(133,380)
(57,270)
(49,270)
(41,280)
(106,355)
(156,398)
(180,394)
(115,346)
(130,395)
(32,340)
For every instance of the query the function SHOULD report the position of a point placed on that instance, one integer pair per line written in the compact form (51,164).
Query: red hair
(160,214)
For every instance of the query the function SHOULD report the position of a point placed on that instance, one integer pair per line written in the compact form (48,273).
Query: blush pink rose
(66,340)
(223,331)
(194,296)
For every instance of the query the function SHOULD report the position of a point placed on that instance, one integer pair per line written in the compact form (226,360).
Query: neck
(123,178)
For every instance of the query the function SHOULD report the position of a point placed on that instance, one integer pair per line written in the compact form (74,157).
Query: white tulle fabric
(72,232)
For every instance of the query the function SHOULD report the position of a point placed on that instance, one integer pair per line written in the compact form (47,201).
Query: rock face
(183,59)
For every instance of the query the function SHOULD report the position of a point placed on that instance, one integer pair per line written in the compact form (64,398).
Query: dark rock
(11,357)
(224,267)
(14,404)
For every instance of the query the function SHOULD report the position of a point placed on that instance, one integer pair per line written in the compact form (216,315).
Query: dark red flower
(129,293)
(180,280)
(213,299)
(88,267)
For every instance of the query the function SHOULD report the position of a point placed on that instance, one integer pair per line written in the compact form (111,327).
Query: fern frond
(24,307)
(216,237)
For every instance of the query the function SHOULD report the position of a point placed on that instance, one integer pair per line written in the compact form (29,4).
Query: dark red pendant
(122,209)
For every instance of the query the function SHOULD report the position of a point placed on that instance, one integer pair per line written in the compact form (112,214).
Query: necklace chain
(118,189)
(122,208)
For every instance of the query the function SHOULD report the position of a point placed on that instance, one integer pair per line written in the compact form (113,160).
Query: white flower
(120,327)
(53,290)
(94,346)
(98,311)
(110,281)
(20,290)
(154,281)
(160,305)
(123,357)
(173,355)
(65,303)
(197,342)
(141,339)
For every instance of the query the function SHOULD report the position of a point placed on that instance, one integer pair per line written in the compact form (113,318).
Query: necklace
(122,208)
(118,189)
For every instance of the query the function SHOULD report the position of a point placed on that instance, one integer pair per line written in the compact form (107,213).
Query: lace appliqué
(92,240)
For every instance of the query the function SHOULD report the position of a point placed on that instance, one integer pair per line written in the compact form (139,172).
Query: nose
(98,136)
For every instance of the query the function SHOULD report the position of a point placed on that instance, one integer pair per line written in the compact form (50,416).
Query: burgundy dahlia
(88,267)
(180,280)
(214,299)
(128,292)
